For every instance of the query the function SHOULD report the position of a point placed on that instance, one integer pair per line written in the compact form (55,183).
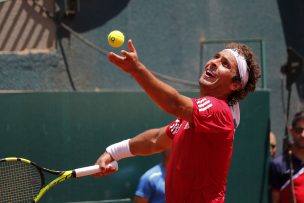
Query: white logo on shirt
(203,104)
(175,127)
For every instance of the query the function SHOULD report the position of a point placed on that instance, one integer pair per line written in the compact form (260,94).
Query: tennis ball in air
(116,39)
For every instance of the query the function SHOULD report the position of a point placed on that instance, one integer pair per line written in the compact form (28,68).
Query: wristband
(119,150)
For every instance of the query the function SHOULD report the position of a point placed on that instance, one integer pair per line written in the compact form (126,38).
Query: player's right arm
(149,142)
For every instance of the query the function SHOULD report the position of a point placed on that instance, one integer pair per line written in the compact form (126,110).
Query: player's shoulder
(208,103)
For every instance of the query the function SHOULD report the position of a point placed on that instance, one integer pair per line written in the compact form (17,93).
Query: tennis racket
(22,180)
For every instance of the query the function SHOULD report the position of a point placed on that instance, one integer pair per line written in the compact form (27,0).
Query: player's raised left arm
(164,95)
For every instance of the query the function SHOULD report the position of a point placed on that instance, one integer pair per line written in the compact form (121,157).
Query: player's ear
(236,83)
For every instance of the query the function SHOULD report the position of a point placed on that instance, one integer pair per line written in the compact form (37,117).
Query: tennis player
(202,135)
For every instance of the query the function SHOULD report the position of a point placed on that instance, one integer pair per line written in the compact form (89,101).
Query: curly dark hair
(253,68)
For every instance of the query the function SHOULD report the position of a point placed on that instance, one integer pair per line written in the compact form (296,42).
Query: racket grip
(90,170)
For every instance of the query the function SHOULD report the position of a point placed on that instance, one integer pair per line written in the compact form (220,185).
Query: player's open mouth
(210,74)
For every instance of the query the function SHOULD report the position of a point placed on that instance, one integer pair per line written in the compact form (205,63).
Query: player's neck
(217,93)
(214,94)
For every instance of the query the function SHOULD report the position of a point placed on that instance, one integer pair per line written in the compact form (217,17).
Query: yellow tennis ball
(116,39)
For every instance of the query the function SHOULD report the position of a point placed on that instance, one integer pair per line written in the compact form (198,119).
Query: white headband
(242,66)
(243,71)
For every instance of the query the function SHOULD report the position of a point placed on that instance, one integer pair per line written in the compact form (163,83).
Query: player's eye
(225,63)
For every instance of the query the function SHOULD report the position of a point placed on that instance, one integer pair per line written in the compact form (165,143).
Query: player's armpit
(185,109)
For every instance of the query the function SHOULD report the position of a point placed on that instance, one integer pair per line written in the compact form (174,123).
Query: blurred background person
(273,144)
(151,186)
(280,169)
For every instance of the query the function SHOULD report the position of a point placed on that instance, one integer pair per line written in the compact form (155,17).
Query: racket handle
(90,170)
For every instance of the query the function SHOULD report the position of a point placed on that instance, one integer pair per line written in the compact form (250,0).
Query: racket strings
(19,182)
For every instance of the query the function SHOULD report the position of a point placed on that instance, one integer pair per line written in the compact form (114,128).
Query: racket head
(20,180)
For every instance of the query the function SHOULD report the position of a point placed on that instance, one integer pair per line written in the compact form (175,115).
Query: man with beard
(280,167)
